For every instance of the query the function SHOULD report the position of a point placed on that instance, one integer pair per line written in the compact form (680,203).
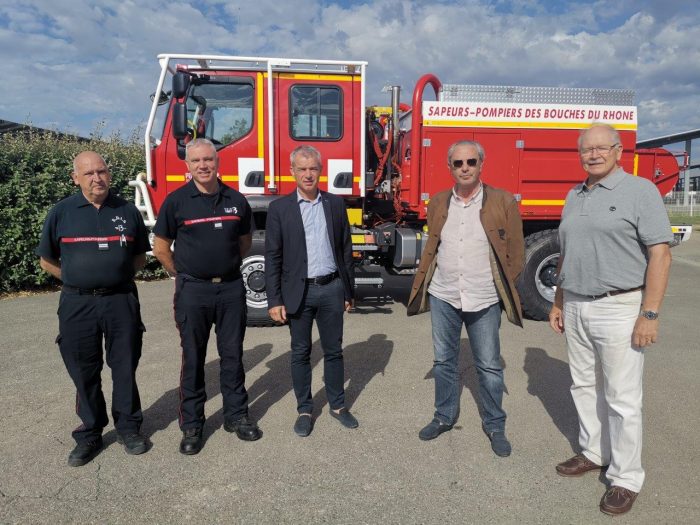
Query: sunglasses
(456,164)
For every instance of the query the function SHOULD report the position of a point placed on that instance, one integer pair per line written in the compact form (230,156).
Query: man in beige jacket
(466,277)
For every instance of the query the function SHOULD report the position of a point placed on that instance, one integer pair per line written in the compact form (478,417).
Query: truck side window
(221,112)
(316,112)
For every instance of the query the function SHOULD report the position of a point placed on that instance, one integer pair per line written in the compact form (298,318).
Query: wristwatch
(649,314)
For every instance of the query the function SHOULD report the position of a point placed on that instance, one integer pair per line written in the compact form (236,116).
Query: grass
(686,219)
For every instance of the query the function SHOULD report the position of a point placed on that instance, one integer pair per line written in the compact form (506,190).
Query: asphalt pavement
(378,473)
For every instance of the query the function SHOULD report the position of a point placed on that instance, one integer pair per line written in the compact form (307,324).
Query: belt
(124,288)
(323,279)
(614,292)
(215,280)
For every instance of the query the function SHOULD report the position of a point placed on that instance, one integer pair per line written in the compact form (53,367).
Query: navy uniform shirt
(96,246)
(206,229)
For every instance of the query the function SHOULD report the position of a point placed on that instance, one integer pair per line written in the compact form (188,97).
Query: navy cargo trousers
(199,304)
(85,319)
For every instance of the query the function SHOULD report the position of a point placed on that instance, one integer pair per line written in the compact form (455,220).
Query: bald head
(87,156)
(600,128)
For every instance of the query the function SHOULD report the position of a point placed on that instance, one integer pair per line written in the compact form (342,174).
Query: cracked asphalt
(378,473)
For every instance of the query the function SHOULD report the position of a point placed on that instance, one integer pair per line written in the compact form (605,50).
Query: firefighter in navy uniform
(94,242)
(211,226)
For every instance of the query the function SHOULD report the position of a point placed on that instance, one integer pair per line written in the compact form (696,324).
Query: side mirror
(181,84)
(180,120)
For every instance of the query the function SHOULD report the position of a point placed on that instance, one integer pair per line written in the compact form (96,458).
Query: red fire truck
(387,162)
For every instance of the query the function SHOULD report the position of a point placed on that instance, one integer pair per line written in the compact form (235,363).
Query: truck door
(502,162)
(223,108)
(320,111)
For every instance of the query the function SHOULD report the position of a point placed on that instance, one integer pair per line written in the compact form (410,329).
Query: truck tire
(537,283)
(253,271)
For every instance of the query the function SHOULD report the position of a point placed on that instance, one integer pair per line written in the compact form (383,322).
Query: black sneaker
(245,428)
(134,443)
(83,453)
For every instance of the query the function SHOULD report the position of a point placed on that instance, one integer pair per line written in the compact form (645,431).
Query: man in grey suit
(308,264)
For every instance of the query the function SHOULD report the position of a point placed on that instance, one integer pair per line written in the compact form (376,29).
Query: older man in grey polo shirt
(613,273)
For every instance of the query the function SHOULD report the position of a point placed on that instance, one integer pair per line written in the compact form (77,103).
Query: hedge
(35,169)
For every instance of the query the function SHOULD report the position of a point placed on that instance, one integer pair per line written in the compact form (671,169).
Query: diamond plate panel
(537,95)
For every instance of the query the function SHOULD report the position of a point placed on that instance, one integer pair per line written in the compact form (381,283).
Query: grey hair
(196,143)
(614,135)
(474,144)
(305,151)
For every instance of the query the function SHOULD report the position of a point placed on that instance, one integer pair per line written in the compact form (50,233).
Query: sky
(75,65)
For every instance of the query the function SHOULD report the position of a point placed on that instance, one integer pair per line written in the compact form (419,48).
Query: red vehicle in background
(386,162)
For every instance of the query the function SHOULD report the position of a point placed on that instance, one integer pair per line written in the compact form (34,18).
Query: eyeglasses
(603,150)
(456,164)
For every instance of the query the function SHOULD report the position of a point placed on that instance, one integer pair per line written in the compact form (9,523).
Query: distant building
(7,126)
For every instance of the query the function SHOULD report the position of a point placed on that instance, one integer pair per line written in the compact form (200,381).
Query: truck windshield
(221,112)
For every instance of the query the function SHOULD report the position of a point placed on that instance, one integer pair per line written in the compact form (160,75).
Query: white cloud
(73,62)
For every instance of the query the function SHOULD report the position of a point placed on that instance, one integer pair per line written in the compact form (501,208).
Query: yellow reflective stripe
(357,239)
(261,120)
(542,202)
(484,124)
(314,76)
(234,178)
(636,164)
(289,178)
(181,178)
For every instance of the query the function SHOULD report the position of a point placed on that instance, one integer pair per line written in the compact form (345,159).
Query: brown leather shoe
(576,466)
(617,500)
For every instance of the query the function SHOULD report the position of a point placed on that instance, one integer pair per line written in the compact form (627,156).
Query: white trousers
(607,382)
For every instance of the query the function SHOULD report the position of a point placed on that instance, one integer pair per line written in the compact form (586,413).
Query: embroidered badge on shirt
(119,223)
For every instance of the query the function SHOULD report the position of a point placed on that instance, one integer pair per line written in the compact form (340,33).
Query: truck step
(371,278)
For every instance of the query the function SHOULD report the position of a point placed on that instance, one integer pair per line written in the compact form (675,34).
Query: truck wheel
(253,271)
(537,283)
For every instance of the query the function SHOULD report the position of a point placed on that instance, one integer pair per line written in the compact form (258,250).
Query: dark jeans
(198,305)
(482,329)
(84,321)
(326,304)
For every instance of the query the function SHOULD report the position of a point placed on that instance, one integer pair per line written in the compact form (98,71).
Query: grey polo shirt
(604,233)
